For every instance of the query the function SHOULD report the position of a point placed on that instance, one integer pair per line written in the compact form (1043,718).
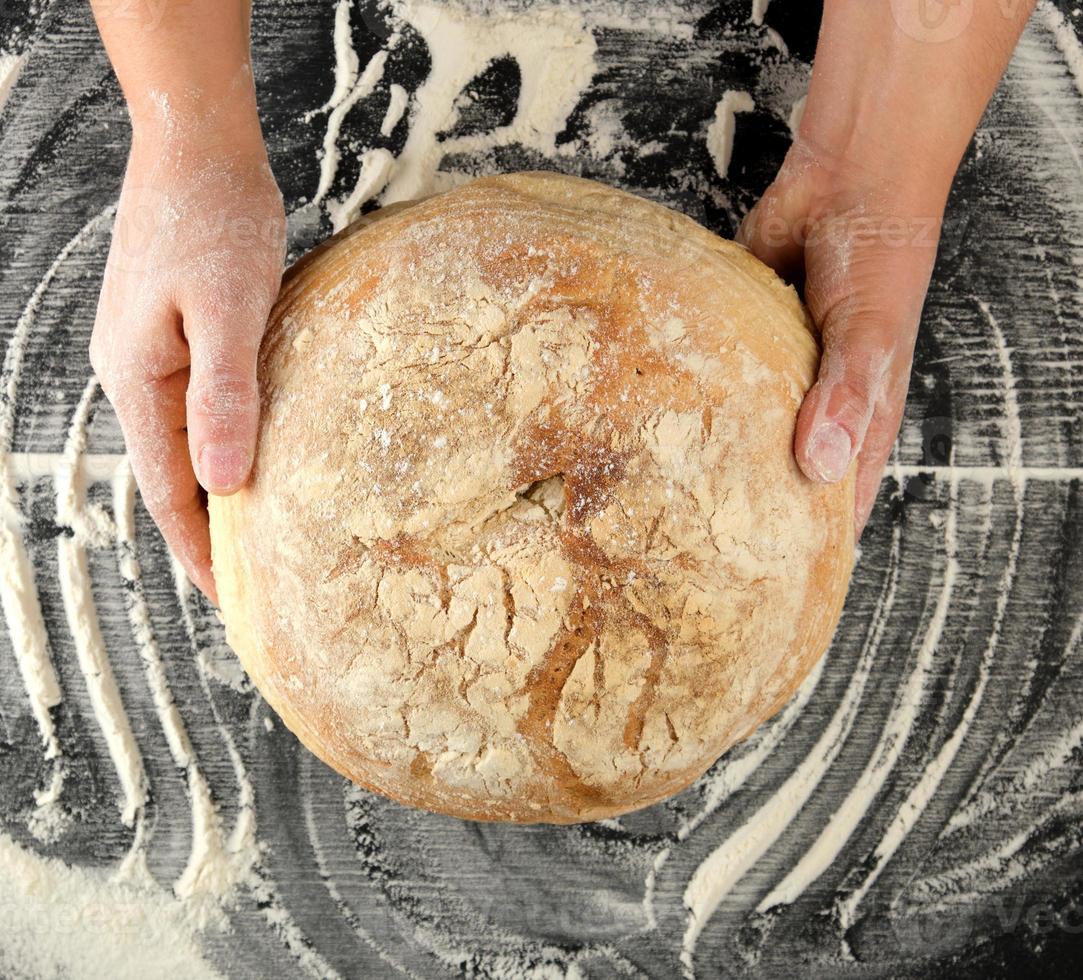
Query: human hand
(194,266)
(864,250)
(856,209)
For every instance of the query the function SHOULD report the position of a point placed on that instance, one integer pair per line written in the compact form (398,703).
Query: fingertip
(197,567)
(207,587)
(745,232)
(832,426)
(223,469)
(827,453)
(203,579)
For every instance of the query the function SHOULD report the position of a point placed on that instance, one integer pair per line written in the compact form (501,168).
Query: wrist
(187,70)
(895,95)
(226,113)
(191,133)
(867,175)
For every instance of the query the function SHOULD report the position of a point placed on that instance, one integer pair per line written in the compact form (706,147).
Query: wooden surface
(956,664)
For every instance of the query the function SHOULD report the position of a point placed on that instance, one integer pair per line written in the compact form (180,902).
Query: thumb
(223,398)
(835,415)
(867,300)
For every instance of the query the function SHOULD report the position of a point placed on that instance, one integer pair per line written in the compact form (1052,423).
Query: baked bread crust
(525,539)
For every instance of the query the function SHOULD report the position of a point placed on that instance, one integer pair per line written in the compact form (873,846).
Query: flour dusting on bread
(525,539)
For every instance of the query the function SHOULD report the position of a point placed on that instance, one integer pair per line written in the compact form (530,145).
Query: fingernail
(222,467)
(829,452)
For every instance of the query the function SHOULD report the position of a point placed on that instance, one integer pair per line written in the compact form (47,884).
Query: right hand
(194,267)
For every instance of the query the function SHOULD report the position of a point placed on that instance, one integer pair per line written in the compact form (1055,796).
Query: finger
(152,416)
(867,300)
(775,229)
(859,353)
(223,399)
(879,442)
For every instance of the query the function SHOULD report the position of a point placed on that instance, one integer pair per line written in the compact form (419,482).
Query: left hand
(864,251)
(856,209)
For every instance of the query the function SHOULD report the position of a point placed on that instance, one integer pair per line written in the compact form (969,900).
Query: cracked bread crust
(525,539)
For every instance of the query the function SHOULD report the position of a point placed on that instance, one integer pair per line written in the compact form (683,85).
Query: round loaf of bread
(525,538)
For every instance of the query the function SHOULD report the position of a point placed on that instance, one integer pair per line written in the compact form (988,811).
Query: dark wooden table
(917,811)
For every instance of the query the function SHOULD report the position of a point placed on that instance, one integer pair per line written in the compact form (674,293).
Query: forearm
(899,86)
(185,66)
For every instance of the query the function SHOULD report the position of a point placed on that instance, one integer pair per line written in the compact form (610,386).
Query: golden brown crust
(525,539)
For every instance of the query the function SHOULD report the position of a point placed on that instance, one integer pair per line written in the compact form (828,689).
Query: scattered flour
(10,67)
(56,921)
(723,128)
